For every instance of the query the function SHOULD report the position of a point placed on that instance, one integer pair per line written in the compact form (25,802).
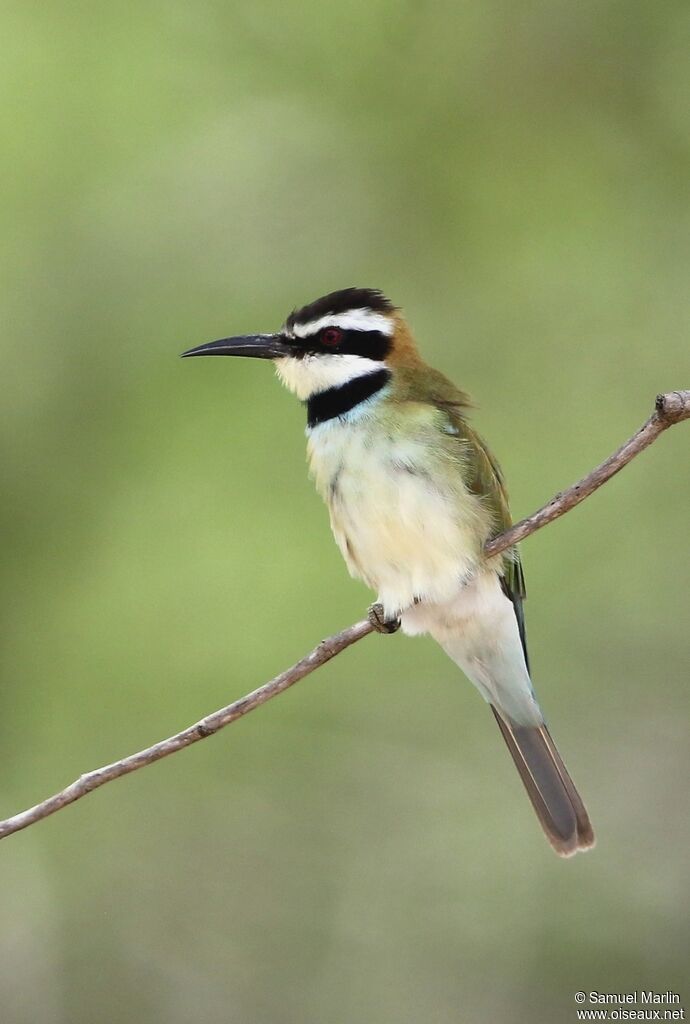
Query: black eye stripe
(368,344)
(371,344)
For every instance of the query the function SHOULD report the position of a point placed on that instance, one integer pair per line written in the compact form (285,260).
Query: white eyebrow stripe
(352,320)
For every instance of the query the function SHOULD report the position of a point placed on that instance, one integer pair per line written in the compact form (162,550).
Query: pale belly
(401,516)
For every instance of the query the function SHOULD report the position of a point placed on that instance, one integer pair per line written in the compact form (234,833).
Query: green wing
(483,475)
(485,479)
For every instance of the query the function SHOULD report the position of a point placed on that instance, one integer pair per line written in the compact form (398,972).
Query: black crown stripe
(341,302)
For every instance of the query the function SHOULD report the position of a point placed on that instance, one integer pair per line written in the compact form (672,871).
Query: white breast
(399,510)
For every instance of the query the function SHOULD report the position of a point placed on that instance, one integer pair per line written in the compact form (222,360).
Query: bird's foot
(380,623)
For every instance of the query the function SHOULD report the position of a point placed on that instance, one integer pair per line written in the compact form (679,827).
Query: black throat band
(326,405)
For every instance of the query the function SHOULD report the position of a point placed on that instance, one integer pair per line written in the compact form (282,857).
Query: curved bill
(260,346)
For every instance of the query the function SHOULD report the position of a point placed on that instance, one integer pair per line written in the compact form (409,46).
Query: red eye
(331,336)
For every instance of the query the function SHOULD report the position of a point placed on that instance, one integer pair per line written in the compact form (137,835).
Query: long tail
(558,804)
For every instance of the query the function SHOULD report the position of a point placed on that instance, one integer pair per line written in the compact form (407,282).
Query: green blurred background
(359,850)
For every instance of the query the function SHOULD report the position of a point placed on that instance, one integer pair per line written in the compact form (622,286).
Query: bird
(413,494)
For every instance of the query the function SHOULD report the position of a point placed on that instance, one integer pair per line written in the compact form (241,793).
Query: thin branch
(205,727)
(670,408)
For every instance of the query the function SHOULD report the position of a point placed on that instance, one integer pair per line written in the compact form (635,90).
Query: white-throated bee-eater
(413,494)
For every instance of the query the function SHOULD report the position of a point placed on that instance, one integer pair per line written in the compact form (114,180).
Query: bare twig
(207,726)
(670,408)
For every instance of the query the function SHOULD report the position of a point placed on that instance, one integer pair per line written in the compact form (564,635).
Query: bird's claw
(379,622)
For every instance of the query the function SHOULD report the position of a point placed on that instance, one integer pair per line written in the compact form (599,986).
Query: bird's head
(339,338)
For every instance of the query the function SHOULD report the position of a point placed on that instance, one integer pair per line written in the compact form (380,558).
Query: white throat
(314,373)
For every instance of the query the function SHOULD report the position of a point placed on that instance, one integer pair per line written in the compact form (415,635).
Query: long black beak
(260,346)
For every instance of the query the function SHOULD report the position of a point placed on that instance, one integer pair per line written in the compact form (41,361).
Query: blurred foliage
(359,850)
